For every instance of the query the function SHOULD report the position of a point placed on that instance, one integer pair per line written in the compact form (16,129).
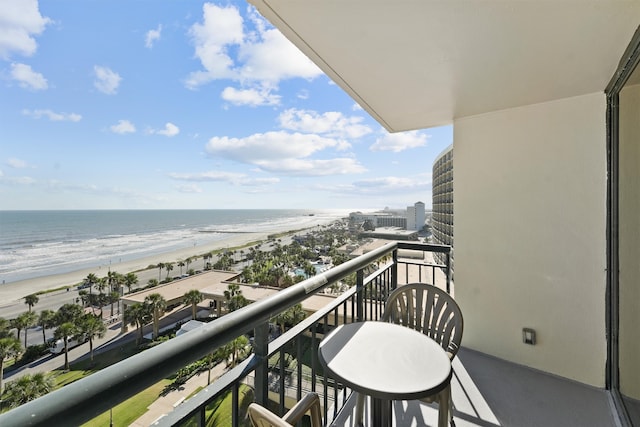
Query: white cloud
(122,127)
(288,153)
(169,130)
(262,57)
(228,177)
(397,142)
(53,116)
(384,185)
(107,81)
(20,20)
(17,180)
(270,146)
(27,78)
(189,188)
(152,36)
(251,97)
(329,123)
(273,58)
(17,163)
(309,167)
(220,27)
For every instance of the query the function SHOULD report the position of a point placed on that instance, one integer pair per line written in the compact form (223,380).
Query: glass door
(624,236)
(629,246)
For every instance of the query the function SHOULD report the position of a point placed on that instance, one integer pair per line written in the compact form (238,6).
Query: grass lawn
(130,410)
(218,412)
(126,412)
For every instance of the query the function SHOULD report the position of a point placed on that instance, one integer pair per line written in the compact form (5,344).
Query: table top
(385,360)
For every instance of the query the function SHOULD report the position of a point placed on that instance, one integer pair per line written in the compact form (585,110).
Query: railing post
(360,295)
(394,269)
(261,349)
(448,271)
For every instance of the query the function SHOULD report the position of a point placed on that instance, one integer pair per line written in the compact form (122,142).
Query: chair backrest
(310,403)
(427,309)
(262,417)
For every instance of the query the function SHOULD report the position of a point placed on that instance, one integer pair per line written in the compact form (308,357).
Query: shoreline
(14,291)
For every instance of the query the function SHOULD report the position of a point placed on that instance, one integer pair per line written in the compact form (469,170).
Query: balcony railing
(275,374)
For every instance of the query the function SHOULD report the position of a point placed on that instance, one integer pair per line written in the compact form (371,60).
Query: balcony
(486,391)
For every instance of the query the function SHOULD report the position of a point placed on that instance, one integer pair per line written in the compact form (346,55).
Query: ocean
(41,243)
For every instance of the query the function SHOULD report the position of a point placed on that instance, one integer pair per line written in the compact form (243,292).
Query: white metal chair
(262,417)
(432,311)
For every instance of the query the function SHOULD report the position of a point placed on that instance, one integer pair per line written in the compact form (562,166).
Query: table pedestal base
(381,413)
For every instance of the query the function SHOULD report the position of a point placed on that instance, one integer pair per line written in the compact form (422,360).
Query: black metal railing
(276,374)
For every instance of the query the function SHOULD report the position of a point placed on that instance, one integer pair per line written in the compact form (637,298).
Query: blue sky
(182,104)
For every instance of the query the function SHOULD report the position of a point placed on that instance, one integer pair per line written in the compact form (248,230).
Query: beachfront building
(413,218)
(442,200)
(543,98)
(416,217)
(378,219)
(389,233)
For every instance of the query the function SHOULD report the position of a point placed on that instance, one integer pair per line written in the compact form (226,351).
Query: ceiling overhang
(423,63)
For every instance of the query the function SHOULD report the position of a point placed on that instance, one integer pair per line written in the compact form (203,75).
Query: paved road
(113,338)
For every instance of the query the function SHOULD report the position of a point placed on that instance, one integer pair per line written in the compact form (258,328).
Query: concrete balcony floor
(490,392)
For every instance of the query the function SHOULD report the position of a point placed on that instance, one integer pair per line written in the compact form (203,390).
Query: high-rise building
(442,200)
(416,216)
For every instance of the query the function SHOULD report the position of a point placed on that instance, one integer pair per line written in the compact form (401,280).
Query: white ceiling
(420,63)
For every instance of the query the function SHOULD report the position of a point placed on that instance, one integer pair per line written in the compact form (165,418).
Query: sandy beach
(14,291)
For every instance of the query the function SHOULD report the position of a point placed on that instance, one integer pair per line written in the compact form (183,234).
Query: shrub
(33,352)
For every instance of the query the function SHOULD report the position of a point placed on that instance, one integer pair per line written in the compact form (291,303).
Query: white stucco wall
(530,215)
(629,241)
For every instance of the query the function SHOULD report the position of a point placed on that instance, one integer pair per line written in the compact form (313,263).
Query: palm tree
(68,313)
(309,269)
(84,297)
(160,267)
(114,297)
(193,297)
(169,267)
(9,347)
(130,279)
(101,285)
(297,314)
(157,305)
(65,331)
(91,280)
(46,320)
(181,264)
(281,320)
(152,283)
(91,327)
(31,300)
(291,316)
(137,315)
(27,388)
(238,349)
(234,297)
(112,279)
(25,321)
(5,328)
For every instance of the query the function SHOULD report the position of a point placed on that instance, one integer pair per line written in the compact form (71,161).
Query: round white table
(387,362)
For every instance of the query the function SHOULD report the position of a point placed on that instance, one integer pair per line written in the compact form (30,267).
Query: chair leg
(451,407)
(359,418)
(444,400)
